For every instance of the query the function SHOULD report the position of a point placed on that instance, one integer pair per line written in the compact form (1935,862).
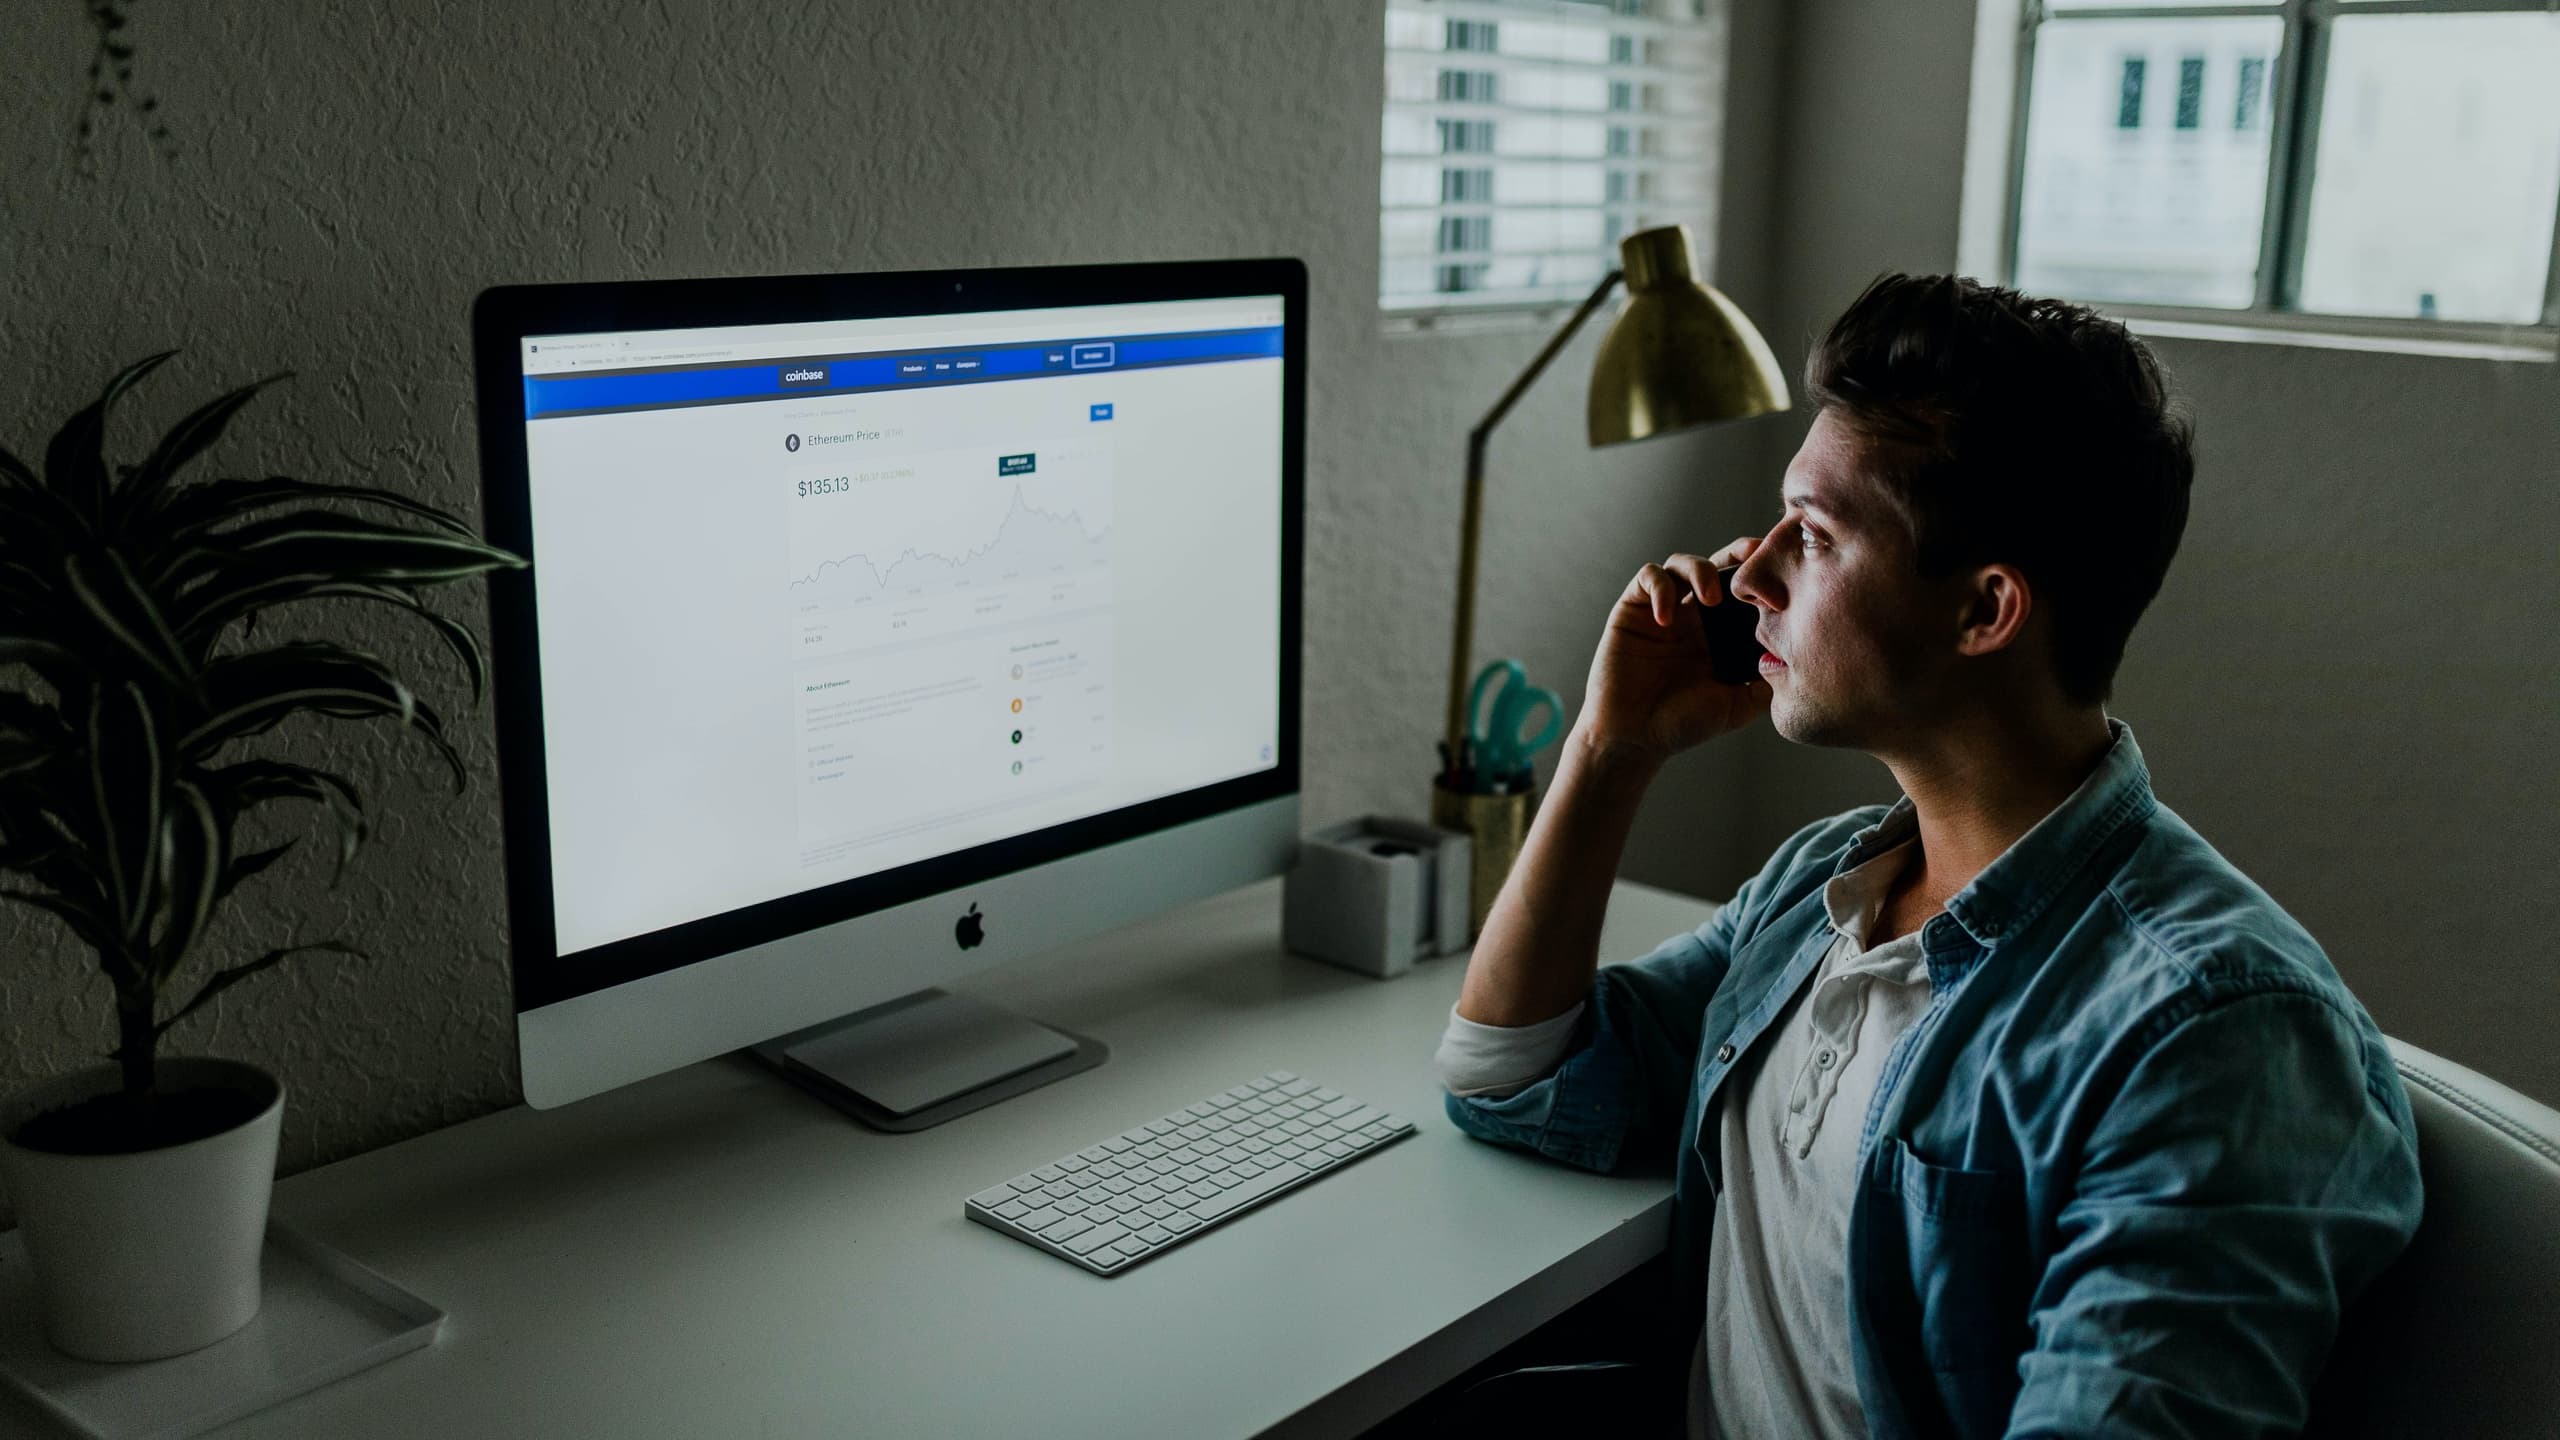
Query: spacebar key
(1248,1192)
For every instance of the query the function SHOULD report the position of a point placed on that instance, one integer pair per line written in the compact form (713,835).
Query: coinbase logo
(804,375)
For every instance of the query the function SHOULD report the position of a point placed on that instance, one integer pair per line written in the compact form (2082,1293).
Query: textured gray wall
(347,177)
(2350,680)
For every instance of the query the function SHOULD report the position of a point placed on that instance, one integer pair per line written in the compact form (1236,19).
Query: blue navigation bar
(556,395)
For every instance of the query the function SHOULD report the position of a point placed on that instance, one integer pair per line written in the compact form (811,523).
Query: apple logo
(971,930)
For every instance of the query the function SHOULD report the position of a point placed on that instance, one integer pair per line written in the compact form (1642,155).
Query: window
(1523,138)
(2381,158)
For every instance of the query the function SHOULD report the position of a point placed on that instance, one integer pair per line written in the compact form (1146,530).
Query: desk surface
(713,1252)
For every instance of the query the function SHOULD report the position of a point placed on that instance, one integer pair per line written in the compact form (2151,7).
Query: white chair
(2461,1336)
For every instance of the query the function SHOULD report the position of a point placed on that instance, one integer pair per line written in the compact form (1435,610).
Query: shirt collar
(2013,889)
(1853,896)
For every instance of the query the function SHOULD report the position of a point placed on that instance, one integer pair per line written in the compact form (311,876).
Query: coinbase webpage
(817,601)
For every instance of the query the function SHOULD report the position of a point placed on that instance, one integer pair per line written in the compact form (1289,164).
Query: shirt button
(1724,1054)
(1824,1059)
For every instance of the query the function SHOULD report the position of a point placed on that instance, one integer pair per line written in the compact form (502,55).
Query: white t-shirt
(1772,1358)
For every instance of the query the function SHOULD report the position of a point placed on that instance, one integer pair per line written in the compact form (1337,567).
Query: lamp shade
(1680,353)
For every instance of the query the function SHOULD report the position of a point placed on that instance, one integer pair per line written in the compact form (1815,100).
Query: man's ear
(1997,605)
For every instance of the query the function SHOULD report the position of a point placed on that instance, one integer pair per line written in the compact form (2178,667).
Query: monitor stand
(925,1058)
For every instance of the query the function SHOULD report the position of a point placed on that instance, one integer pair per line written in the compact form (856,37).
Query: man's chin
(1809,725)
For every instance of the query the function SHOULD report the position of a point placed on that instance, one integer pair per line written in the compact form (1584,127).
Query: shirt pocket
(1968,1259)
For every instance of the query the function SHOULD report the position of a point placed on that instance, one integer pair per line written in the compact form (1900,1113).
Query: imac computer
(880,629)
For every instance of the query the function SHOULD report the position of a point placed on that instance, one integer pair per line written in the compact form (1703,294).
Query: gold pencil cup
(1496,827)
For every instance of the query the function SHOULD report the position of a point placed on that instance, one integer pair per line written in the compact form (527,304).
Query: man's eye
(1810,543)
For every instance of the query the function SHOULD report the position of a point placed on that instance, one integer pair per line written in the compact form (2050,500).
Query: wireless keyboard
(1111,1205)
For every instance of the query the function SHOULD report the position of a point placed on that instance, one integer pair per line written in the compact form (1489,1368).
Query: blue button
(968,364)
(1101,412)
(910,369)
(1093,356)
(941,365)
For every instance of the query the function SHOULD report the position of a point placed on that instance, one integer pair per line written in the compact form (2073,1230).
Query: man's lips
(1769,658)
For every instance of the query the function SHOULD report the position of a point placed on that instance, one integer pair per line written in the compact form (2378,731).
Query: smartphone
(1733,645)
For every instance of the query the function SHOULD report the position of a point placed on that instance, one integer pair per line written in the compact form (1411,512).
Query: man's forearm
(1541,941)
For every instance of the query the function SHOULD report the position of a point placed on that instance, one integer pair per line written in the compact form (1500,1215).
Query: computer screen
(831,614)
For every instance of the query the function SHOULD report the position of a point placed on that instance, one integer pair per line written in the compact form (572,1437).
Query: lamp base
(1496,826)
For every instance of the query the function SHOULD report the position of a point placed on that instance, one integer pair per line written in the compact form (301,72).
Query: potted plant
(130,600)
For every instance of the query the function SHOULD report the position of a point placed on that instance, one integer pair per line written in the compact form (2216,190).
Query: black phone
(1733,645)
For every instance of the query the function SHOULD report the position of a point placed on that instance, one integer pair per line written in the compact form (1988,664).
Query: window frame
(1535,313)
(2293,96)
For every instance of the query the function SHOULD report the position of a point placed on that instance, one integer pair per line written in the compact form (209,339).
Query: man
(2013,1108)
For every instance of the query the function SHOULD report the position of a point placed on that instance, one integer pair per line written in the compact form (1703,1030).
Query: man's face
(1864,644)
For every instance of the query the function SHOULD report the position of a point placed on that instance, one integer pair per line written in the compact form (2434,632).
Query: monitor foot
(925,1058)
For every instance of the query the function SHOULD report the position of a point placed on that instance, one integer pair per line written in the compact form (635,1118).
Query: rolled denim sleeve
(2255,1170)
(1621,1090)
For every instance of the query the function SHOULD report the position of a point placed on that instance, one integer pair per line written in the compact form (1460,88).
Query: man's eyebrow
(1806,500)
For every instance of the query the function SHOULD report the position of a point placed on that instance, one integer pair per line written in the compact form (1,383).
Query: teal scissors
(1500,751)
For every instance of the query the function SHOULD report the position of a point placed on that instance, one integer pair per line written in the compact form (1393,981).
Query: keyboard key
(1245,1194)
(1297,1087)
(1013,1210)
(1338,1149)
(1132,1248)
(1051,1174)
(1282,1076)
(1155,1234)
(1067,1229)
(1094,1239)
(1357,1118)
(1039,1219)
(990,1199)
(1326,1095)
(1179,1223)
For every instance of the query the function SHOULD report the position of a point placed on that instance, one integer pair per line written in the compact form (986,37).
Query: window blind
(1523,138)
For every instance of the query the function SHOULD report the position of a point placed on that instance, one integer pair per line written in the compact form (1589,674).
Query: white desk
(715,1253)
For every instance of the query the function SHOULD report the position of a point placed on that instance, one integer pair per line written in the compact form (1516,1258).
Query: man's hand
(1651,694)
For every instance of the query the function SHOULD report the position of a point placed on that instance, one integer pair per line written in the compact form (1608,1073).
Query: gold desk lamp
(1679,354)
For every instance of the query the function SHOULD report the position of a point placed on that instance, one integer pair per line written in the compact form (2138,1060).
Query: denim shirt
(2119,1178)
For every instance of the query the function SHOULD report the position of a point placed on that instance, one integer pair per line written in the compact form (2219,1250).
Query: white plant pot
(143,1256)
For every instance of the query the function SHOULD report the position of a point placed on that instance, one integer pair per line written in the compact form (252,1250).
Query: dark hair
(2032,432)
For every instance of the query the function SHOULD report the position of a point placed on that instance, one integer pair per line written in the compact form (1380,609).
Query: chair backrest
(2461,1336)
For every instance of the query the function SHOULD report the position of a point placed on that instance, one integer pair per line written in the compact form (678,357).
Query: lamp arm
(1472,516)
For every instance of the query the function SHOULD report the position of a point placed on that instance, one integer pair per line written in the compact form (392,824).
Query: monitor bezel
(503,317)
